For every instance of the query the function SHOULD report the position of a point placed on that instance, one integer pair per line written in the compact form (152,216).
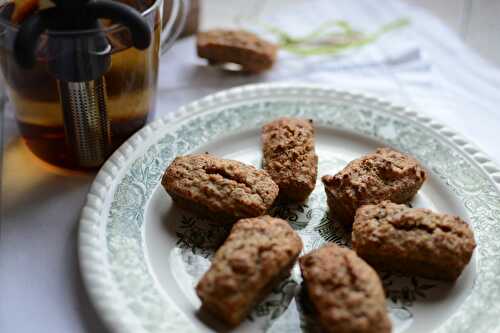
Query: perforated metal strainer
(79,61)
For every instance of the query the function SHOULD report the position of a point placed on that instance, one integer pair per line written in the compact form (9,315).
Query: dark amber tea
(130,86)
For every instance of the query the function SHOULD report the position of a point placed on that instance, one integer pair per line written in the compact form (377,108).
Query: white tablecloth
(424,66)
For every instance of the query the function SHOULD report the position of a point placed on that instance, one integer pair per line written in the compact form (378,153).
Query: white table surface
(40,285)
(476,21)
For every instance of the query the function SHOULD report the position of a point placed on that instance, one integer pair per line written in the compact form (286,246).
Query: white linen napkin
(423,66)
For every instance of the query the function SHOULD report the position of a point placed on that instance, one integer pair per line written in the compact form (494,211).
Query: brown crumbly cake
(220,46)
(290,158)
(219,189)
(346,293)
(414,241)
(256,256)
(385,174)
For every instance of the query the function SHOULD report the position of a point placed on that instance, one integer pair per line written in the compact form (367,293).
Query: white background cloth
(424,66)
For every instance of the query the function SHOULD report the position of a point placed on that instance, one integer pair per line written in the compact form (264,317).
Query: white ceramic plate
(141,256)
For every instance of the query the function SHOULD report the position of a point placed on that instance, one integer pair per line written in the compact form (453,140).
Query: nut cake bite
(290,157)
(258,253)
(222,46)
(385,174)
(219,189)
(346,293)
(413,241)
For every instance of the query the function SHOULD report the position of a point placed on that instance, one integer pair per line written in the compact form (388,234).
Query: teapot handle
(26,39)
(175,23)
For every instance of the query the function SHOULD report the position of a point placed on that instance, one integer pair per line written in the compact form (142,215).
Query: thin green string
(324,41)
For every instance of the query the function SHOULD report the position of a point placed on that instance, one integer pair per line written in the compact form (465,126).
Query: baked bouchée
(414,241)
(346,293)
(220,189)
(385,174)
(290,157)
(221,46)
(257,255)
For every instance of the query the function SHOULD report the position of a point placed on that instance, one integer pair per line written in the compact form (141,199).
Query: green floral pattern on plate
(470,183)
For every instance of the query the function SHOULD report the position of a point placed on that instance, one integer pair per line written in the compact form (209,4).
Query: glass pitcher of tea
(92,78)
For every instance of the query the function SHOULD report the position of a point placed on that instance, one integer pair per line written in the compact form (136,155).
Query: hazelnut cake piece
(258,254)
(220,189)
(415,241)
(385,174)
(221,46)
(290,157)
(345,291)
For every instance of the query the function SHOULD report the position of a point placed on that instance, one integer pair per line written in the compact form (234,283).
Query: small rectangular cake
(413,241)
(221,46)
(219,189)
(385,174)
(346,293)
(290,157)
(256,256)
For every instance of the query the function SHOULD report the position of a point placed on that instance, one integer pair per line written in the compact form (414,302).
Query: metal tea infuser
(79,62)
